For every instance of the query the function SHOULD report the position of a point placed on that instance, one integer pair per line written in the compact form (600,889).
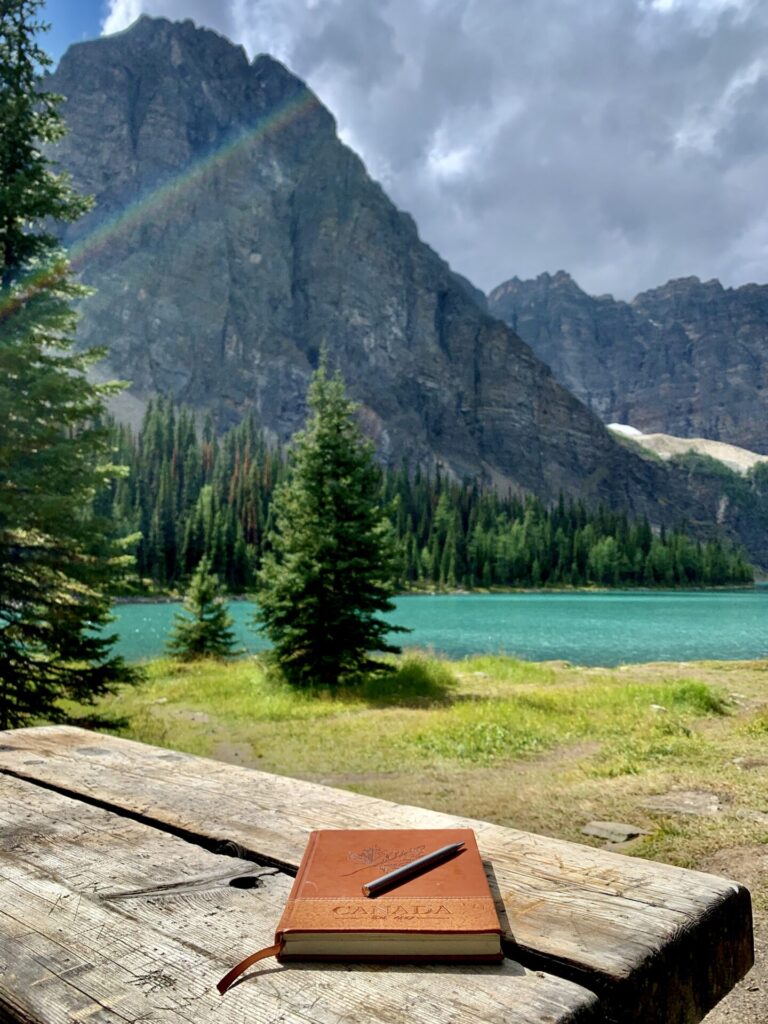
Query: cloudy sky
(625,141)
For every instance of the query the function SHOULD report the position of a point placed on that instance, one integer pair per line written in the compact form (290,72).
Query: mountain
(688,359)
(233,235)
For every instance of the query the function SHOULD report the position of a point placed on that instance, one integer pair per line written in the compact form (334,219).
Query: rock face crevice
(234,236)
(689,358)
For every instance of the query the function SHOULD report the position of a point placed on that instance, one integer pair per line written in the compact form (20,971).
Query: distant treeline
(189,494)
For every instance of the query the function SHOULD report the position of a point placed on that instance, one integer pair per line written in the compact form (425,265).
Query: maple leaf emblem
(375,857)
(368,856)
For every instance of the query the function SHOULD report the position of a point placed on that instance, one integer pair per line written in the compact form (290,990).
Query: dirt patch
(560,756)
(348,779)
(746,864)
(747,814)
(544,763)
(192,716)
(235,753)
(750,764)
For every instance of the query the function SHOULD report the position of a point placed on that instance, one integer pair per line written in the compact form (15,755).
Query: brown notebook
(445,913)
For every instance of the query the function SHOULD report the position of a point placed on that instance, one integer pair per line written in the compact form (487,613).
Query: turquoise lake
(605,628)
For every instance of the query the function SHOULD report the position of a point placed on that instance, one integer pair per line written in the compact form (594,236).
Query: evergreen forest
(190,494)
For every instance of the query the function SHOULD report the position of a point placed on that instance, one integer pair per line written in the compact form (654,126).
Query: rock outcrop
(234,235)
(688,359)
(666,446)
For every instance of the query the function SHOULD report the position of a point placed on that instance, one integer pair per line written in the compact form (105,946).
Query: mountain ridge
(686,358)
(234,235)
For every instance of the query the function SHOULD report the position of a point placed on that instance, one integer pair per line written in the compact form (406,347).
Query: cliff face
(689,359)
(234,235)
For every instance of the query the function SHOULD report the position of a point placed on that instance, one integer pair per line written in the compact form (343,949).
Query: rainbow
(175,188)
(152,203)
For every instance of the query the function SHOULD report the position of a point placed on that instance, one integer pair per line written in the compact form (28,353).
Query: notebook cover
(452,897)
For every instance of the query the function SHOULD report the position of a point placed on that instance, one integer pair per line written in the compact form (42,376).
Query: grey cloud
(744,137)
(622,140)
(335,39)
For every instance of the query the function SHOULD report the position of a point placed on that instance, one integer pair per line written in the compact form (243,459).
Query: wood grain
(656,942)
(106,919)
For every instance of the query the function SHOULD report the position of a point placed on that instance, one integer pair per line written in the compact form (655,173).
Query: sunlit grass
(425,712)
(503,668)
(523,723)
(237,691)
(757,724)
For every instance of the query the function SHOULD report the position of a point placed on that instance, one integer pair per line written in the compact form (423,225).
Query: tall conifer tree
(55,556)
(332,565)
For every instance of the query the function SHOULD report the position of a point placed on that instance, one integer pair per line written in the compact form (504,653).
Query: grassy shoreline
(172,596)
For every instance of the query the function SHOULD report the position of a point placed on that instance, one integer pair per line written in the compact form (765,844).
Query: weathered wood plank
(658,942)
(106,919)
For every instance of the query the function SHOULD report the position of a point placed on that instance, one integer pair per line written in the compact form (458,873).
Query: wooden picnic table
(133,877)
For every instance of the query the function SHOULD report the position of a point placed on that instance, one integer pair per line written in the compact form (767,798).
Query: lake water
(607,628)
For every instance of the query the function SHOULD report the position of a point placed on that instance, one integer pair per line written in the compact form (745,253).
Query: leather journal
(445,913)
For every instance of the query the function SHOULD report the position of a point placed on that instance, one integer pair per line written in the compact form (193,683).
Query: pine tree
(56,559)
(192,496)
(332,564)
(203,629)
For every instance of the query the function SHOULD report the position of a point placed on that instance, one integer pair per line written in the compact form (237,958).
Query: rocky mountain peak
(157,48)
(562,279)
(681,289)
(545,281)
(160,95)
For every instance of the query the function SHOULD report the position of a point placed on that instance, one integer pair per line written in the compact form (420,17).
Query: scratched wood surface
(103,918)
(657,943)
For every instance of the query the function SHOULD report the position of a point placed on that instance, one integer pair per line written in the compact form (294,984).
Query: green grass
(503,668)
(424,713)
(481,732)
(757,725)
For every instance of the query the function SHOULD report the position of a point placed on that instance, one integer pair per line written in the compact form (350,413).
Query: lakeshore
(597,627)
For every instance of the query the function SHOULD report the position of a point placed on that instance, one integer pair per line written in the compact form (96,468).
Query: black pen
(416,867)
